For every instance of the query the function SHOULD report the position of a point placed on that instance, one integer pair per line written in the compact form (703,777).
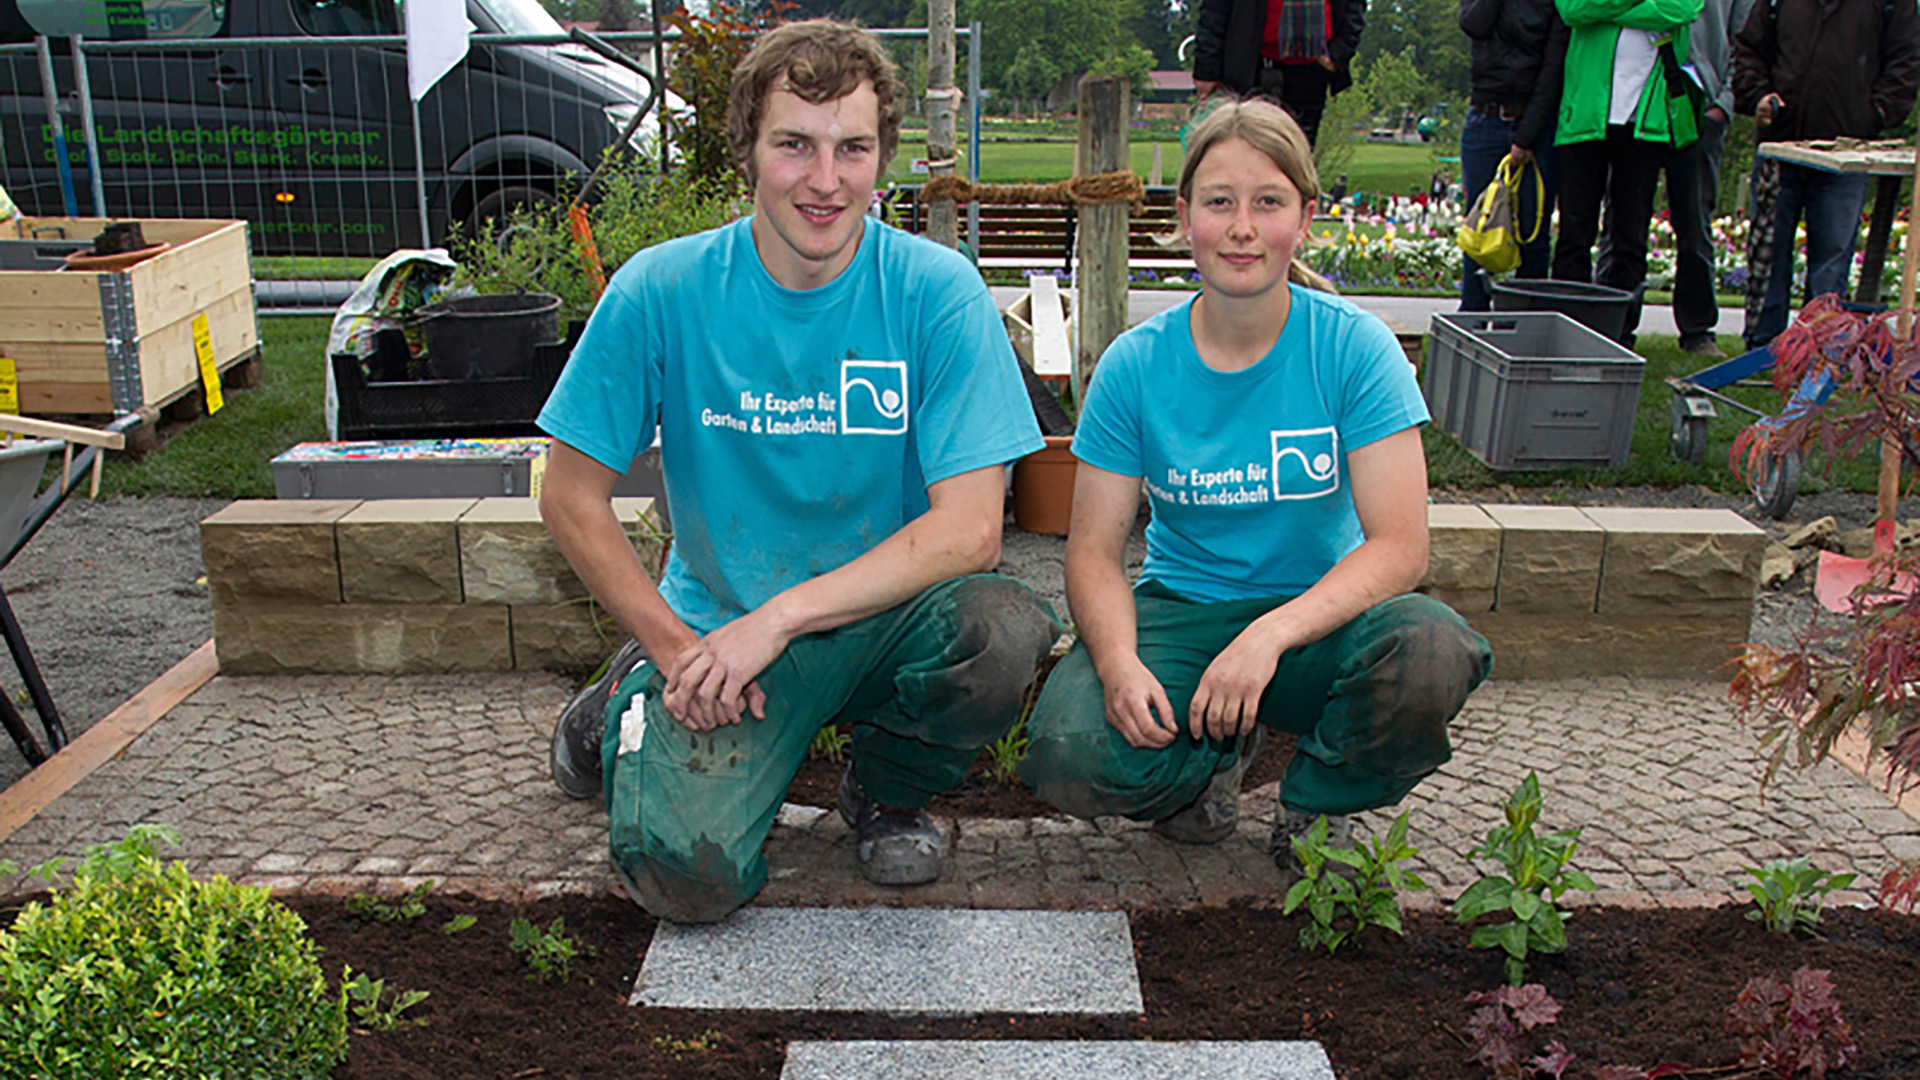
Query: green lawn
(226,455)
(1380,167)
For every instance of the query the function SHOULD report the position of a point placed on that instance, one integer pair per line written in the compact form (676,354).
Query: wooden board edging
(105,740)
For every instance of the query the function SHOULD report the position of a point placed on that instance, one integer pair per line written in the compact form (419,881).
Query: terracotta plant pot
(81,260)
(1043,488)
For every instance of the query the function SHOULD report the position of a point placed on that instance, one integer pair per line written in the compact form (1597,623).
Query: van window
(126,19)
(346,18)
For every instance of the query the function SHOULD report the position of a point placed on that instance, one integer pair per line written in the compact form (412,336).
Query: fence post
(943,225)
(85,85)
(973,131)
(1102,277)
(59,129)
(420,176)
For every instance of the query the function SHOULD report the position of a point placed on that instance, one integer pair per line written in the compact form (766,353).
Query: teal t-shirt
(1246,470)
(798,429)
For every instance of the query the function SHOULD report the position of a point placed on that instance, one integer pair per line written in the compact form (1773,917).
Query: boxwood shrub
(138,970)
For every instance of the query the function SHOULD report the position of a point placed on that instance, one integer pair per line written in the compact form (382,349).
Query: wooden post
(1102,275)
(943,223)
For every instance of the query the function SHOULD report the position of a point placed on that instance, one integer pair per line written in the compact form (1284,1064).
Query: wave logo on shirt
(1306,463)
(873,397)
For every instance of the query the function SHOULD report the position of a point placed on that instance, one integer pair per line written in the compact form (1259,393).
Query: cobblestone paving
(344,783)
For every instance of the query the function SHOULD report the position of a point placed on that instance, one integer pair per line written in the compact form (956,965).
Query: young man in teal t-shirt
(835,402)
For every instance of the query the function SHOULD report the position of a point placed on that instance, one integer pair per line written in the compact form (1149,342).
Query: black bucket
(1596,307)
(488,337)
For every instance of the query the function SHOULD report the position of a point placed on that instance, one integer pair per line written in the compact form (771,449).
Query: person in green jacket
(1625,104)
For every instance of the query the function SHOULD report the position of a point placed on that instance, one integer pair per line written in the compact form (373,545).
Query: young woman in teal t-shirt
(1275,429)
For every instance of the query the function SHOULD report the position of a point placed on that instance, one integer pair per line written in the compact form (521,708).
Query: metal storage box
(433,469)
(1531,390)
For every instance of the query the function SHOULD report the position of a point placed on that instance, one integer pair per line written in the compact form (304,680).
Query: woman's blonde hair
(1267,128)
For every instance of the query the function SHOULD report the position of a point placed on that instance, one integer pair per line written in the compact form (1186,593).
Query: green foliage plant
(405,908)
(710,47)
(549,952)
(373,1009)
(1338,909)
(137,970)
(1537,876)
(457,924)
(677,1048)
(1790,893)
(829,743)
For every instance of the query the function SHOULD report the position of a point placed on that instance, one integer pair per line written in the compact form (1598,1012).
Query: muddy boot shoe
(1213,816)
(1288,824)
(894,845)
(575,757)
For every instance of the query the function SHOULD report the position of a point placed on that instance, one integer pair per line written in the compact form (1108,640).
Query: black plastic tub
(488,337)
(1596,307)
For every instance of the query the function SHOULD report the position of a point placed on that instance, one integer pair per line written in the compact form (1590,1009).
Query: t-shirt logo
(1306,463)
(873,397)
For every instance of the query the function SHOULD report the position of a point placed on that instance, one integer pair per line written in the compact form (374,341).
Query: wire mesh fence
(296,117)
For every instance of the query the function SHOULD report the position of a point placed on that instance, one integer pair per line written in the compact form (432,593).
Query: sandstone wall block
(401,551)
(1573,646)
(1678,563)
(1549,560)
(388,639)
(563,637)
(273,550)
(506,556)
(1463,557)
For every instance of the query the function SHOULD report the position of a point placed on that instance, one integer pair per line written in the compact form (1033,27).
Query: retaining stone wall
(425,585)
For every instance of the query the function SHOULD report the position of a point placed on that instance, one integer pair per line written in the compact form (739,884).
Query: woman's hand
(1137,706)
(1227,701)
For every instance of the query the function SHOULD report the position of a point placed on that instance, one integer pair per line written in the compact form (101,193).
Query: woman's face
(1245,220)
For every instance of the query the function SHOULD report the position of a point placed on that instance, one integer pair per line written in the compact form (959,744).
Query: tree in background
(1133,62)
(1426,33)
(1160,28)
(1031,77)
(1070,35)
(710,47)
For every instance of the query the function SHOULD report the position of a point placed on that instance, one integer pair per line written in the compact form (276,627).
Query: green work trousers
(1370,703)
(926,685)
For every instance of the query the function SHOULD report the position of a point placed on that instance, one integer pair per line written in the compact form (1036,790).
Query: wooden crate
(87,342)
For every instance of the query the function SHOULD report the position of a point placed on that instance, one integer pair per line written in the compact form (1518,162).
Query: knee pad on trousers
(1001,632)
(672,892)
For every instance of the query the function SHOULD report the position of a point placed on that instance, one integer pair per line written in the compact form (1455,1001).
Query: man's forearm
(598,549)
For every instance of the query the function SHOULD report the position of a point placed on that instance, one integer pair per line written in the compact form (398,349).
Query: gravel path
(110,593)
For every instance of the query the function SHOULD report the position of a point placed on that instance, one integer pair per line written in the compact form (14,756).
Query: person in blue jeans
(1519,49)
(1820,69)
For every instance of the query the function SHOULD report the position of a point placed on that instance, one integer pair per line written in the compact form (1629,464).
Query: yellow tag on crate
(537,475)
(9,387)
(209,370)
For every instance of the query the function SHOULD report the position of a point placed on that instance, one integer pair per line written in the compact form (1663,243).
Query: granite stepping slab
(929,961)
(1015,1060)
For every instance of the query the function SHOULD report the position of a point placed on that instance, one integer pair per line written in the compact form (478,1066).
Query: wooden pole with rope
(943,219)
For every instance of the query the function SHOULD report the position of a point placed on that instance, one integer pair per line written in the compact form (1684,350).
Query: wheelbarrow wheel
(1778,483)
(1686,433)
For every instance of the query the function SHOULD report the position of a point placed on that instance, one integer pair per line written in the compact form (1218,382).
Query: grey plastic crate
(1531,389)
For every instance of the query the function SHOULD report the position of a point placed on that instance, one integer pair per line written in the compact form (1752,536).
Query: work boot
(1288,824)
(1213,816)
(576,738)
(894,845)
(1704,347)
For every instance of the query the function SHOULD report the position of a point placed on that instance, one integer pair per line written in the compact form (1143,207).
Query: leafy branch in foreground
(1863,676)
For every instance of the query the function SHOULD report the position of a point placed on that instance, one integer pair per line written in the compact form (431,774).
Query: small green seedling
(409,906)
(1005,754)
(830,743)
(679,1048)
(1537,876)
(1791,893)
(457,924)
(1339,909)
(373,1009)
(550,952)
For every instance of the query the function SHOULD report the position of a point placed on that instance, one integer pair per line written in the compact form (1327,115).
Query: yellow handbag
(1490,236)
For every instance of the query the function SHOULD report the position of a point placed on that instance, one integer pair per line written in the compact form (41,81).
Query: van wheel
(501,205)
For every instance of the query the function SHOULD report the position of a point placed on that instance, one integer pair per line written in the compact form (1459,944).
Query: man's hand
(711,682)
(1327,62)
(1520,154)
(1137,706)
(1770,107)
(1717,114)
(1228,699)
(1205,88)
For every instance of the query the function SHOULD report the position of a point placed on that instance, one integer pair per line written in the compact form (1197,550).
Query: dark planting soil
(1637,988)
(983,796)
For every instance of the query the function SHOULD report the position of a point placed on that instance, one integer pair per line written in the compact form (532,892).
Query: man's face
(814,167)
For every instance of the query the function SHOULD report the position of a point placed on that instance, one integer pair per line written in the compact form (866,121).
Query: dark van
(312,143)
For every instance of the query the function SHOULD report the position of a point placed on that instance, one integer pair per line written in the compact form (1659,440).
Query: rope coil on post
(1120,186)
